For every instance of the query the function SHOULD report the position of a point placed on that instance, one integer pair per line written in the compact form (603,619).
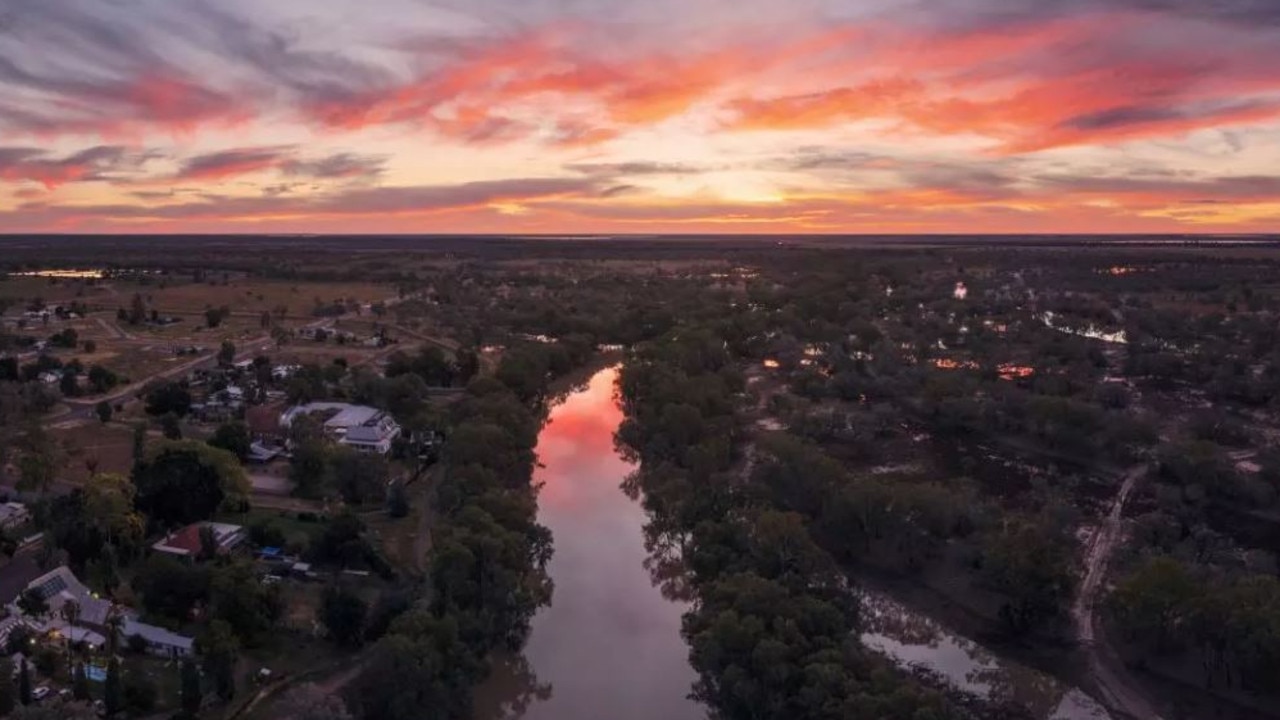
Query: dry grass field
(110,446)
(254,296)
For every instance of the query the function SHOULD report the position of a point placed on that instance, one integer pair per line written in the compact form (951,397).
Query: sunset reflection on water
(609,646)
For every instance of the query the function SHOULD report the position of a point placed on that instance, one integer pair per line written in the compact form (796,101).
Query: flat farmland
(254,296)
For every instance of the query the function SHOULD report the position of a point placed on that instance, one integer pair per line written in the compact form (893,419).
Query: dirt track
(1111,677)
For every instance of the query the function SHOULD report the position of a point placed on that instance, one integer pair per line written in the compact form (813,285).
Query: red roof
(264,420)
(188,539)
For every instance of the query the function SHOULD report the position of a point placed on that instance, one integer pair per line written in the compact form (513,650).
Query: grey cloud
(234,161)
(369,201)
(635,168)
(341,165)
(99,162)
(1213,189)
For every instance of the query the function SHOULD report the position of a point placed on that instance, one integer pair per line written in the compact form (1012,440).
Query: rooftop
(186,542)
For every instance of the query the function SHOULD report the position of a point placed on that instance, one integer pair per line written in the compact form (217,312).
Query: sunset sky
(590,116)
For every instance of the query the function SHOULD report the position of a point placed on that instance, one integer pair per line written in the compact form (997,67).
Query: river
(609,645)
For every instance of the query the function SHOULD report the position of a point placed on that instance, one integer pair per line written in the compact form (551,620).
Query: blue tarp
(95,673)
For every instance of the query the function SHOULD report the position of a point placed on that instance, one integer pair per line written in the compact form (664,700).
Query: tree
(219,650)
(140,693)
(183,481)
(213,317)
(226,353)
(101,379)
(33,604)
(397,500)
(137,310)
(19,640)
(108,507)
(169,398)
(104,411)
(1152,601)
(170,427)
(24,682)
(192,695)
(249,607)
(80,684)
(112,690)
(422,670)
(139,443)
(8,691)
(358,477)
(309,469)
(113,629)
(70,612)
(68,384)
(40,457)
(342,542)
(233,437)
(170,588)
(343,612)
(1031,565)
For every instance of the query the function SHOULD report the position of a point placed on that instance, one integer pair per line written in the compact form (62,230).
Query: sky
(663,116)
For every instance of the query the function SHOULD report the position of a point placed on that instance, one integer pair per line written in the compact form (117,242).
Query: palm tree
(115,629)
(70,613)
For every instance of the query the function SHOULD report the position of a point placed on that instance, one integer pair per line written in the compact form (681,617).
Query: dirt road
(1114,684)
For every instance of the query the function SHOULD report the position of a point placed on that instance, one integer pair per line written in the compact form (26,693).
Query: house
(361,427)
(186,543)
(13,514)
(373,437)
(60,585)
(264,422)
(159,641)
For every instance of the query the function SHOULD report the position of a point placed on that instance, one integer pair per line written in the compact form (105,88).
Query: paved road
(1112,678)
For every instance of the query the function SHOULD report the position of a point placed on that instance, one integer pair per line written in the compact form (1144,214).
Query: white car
(40,693)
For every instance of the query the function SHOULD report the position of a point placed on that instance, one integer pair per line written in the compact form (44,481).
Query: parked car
(40,693)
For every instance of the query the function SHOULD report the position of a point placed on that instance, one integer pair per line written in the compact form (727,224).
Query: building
(13,514)
(186,543)
(159,641)
(361,427)
(60,586)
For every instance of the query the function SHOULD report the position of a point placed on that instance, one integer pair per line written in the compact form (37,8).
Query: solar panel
(52,586)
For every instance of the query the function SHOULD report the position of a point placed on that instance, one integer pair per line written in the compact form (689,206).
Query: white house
(159,641)
(361,427)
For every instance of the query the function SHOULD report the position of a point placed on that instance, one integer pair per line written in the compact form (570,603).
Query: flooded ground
(910,639)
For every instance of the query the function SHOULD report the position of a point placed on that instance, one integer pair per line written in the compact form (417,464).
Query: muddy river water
(609,645)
